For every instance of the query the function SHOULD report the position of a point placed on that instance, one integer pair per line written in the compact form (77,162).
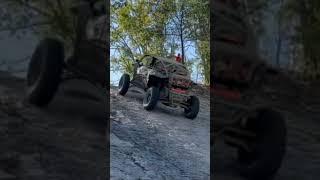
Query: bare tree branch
(25,26)
(34,8)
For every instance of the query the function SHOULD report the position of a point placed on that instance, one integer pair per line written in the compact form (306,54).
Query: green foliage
(305,14)
(159,27)
(190,64)
(204,52)
(137,28)
(199,27)
(303,17)
(141,24)
(45,17)
(52,18)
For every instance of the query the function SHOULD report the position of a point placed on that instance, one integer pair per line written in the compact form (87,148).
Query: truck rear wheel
(124,84)
(44,72)
(268,148)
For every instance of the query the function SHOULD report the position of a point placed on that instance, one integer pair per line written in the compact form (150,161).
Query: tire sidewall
(151,98)
(50,54)
(124,84)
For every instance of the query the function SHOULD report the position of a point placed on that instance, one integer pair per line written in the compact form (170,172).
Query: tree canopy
(137,27)
(161,28)
(44,18)
(298,23)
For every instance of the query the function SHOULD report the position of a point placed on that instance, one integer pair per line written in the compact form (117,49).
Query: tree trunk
(182,48)
(181,34)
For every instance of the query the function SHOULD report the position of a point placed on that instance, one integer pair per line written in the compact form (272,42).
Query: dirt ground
(66,140)
(160,144)
(302,160)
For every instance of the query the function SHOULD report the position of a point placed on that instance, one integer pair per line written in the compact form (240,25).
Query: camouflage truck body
(166,81)
(173,77)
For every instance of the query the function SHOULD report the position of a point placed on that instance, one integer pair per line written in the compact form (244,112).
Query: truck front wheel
(44,72)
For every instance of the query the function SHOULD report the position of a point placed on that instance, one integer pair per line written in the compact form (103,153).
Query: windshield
(165,65)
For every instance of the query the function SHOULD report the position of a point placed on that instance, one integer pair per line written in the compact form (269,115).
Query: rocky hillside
(158,144)
(299,104)
(66,140)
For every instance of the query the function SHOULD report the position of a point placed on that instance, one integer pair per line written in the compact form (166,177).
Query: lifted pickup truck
(164,80)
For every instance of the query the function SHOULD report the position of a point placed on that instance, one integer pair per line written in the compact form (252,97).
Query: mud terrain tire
(124,84)
(151,98)
(44,72)
(269,146)
(193,110)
